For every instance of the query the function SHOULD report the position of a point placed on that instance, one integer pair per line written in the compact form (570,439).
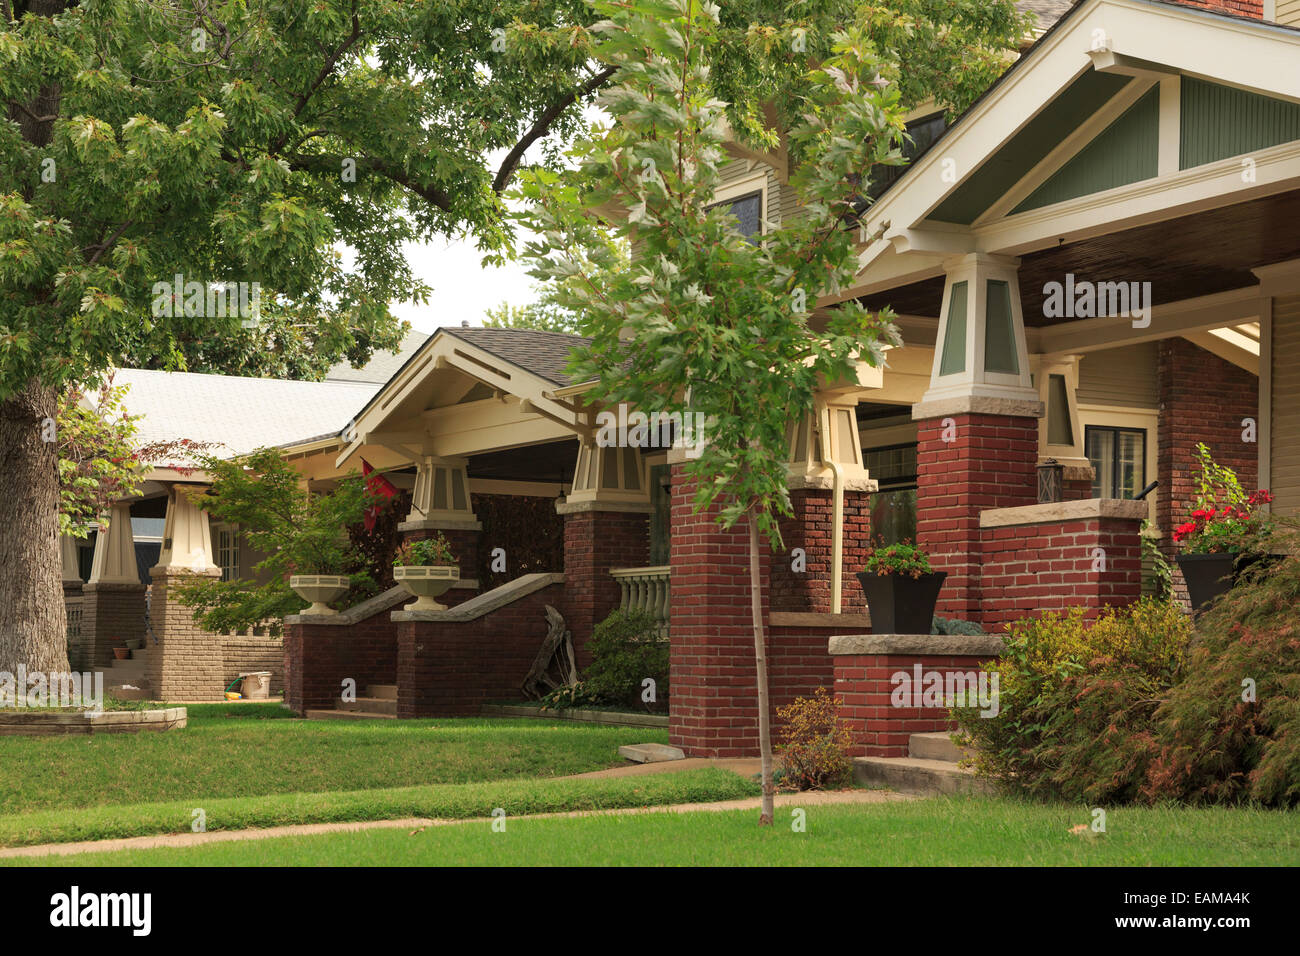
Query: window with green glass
(954,340)
(999,330)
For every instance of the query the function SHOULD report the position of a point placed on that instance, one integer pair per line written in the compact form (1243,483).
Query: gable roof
(382,366)
(545,354)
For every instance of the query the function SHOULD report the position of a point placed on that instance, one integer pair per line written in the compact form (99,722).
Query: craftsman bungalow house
(1138,150)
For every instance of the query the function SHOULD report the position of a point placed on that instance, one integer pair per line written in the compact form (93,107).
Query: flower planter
(320,589)
(133,643)
(1210,576)
(426,582)
(121,653)
(899,603)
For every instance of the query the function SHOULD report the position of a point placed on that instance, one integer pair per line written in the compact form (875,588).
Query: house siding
(1284,444)
(1124,376)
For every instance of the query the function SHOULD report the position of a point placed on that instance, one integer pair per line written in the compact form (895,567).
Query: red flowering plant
(1224,518)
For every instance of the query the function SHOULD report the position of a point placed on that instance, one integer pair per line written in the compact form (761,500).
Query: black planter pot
(900,604)
(1210,576)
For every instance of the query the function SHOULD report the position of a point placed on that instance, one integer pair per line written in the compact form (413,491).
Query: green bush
(950,625)
(1075,701)
(814,745)
(1230,731)
(625,651)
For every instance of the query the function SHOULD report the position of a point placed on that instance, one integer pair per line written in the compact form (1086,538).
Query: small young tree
(723,325)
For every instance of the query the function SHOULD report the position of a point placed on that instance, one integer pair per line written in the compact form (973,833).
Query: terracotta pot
(122,653)
(426,582)
(901,604)
(320,589)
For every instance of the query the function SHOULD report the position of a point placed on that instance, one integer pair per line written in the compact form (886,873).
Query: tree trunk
(766,814)
(33,621)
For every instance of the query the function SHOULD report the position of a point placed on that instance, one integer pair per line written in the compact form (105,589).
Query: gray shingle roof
(238,414)
(545,354)
(382,365)
(1047,11)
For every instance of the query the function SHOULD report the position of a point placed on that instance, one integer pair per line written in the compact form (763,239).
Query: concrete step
(917,775)
(938,746)
(382,691)
(347,715)
(370,705)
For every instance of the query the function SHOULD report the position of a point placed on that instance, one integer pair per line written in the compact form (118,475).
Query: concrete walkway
(745,767)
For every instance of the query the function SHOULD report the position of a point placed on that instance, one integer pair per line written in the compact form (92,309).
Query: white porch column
(114,561)
(441,493)
(187,537)
(1060,434)
(980,356)
(71,568)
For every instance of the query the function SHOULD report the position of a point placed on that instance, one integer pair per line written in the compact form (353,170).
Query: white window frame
(754,183)
(1147,419)
(218,529)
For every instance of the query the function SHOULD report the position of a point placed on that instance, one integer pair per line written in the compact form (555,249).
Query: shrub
(425,552)
(814,745)
(948,625)
(1230,731)
(625,650)
(1075,701)
(566,696)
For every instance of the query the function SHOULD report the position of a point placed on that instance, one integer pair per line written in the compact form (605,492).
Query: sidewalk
(745,767)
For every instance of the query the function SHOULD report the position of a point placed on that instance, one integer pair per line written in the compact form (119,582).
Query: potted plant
(427,569)
(120,651)
(133,643)
(1225,534)
(900,588)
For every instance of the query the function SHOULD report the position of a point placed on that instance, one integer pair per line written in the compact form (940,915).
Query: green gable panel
(954,342)
(999,333)
(1089,93)
(1219,121)
(1126,151)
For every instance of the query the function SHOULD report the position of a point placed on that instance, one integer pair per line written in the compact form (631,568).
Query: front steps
(930,768)
(125,680)
(379,703)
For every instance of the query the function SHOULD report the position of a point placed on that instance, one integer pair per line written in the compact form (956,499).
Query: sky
(462,288)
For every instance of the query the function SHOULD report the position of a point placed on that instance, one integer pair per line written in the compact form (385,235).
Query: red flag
(379,487)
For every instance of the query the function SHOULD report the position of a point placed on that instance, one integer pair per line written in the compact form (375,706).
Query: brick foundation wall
(319,657)
(1031,568)
(452,668)
(864,687)
(108,612)
(810,528)
(1202,399)
(243,655)
(990,463)
(595,542)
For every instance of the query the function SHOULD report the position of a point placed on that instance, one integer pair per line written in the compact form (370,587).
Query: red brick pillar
(810,528)
(967,462)
(712,710)
(599,536)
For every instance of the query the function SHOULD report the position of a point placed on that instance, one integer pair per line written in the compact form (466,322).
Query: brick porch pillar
(978,432)
(599,536)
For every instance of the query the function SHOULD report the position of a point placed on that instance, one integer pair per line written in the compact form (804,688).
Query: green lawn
(248,750)
(925,832)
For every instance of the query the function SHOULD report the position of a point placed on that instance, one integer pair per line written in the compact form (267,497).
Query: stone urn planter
(426,582)
(1210,576)
(320,589)
(900,603)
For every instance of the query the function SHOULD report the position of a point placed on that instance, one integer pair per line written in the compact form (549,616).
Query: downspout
(837,514)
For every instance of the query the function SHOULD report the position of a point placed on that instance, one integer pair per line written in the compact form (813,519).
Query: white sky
(462,287)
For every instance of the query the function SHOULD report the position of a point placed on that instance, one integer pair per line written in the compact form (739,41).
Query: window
(893,506)
(748,210)
(1118,457)
(228,552)
(923,133)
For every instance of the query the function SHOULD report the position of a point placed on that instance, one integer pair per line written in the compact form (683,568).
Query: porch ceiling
(552,462)
(1182,258)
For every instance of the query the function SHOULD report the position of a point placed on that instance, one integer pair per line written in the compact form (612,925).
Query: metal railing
(646,589)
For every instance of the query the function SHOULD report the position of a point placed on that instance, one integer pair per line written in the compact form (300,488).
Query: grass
(254,750)
(937,832)
(456,801)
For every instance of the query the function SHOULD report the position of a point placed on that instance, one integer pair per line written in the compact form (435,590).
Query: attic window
(748,210)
